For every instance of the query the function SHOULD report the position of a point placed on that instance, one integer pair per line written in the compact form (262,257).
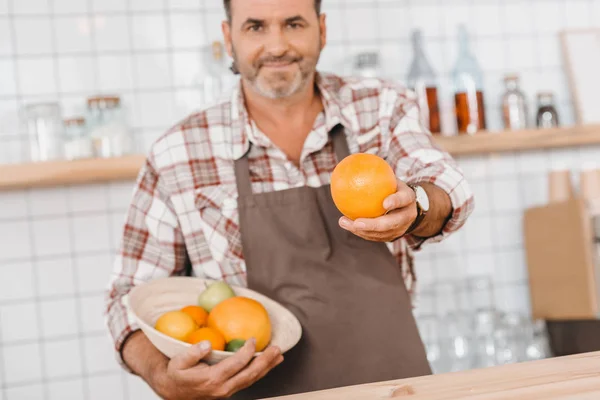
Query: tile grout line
(81,336)
(36,298)
(2,363)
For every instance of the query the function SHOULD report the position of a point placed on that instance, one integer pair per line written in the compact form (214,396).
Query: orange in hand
(215,338)
(242,318)
(198,314)
(359,185)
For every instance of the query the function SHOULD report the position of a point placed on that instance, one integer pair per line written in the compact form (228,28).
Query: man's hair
(227,4)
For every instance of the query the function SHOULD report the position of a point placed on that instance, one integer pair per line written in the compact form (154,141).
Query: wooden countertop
(572,377)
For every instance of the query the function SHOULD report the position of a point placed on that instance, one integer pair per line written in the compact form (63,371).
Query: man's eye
(294,25)
(254,28)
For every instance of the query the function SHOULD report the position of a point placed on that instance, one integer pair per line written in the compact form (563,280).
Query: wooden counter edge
(58,173)
(521,140)
(555,378)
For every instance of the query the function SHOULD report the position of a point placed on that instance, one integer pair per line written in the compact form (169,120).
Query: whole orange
(176,324)
(359,185)
(242,318)
(198,314)
(215,338)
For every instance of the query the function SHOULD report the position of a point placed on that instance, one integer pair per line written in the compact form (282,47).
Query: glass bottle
(218,78)
(367,65)
(468,88)
(422,79)
(514,104)
(547,116)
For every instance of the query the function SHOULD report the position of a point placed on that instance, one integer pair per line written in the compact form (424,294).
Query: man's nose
(277,44)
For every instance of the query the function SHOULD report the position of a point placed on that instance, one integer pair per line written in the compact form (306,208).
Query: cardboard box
(564,280)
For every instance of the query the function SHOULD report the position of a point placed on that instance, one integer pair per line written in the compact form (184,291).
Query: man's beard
(276,86)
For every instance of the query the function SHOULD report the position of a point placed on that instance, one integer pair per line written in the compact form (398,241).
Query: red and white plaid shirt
(185,196)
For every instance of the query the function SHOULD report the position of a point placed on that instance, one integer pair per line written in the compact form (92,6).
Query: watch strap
(420,215)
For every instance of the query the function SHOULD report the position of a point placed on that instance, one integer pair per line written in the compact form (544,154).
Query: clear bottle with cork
(468,88)
(514,104)
(423,80)
(218,77)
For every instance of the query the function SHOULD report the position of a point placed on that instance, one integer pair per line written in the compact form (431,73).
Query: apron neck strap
(340,143)
(242,165)
(242,175)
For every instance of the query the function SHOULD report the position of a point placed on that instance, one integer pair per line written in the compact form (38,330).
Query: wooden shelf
(530,139)
(57,173)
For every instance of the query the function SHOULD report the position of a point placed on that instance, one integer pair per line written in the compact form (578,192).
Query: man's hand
(401,213)
(186,377)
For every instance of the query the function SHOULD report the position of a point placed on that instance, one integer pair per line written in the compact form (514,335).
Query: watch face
(422,198)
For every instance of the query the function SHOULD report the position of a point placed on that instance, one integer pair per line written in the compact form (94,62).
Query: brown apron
(348,293)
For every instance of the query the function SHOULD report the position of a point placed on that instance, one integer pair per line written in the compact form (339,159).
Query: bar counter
(570,377)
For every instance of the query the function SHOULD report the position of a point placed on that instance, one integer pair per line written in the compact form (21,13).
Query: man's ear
(226,28)
(323,26)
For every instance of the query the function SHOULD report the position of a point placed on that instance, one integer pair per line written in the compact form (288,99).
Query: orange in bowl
(176,324)
(359,185)
(215,338)
(198,314)
(242,318)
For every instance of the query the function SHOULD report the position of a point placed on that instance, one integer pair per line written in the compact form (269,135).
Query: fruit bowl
(148,301)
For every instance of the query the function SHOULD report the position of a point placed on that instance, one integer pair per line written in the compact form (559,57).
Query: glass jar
(468,88)
(77,142)
(367,65)
(108,127)
(423,80)
(514,105)
(547,116)
(42,124)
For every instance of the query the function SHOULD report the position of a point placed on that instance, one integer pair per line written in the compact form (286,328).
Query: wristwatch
(422,201)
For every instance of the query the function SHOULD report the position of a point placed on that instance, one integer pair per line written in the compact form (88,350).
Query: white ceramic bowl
(148,301)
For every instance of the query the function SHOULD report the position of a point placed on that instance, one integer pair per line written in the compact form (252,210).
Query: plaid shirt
(184,202)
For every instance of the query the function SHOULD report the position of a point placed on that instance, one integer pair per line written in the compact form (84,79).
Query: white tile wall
(53,343)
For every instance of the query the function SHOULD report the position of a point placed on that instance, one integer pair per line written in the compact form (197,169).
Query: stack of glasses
(462,329)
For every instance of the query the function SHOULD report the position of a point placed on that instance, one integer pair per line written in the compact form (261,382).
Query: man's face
(275,44)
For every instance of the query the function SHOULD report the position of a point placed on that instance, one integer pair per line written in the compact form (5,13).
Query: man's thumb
(192,356)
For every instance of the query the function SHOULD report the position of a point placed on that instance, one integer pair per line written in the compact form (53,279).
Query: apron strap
(242,165)
(340,142)
(242,175)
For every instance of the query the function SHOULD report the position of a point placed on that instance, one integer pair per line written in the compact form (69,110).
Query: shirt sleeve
(152,246)
(416,158)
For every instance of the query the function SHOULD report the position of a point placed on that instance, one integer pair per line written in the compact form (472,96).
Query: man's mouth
(278,64)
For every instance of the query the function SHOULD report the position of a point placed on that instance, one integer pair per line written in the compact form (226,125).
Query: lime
(235,345)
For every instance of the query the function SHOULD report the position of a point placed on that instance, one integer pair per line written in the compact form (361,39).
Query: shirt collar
(244,132)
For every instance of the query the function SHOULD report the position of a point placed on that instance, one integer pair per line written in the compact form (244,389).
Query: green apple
(214,294)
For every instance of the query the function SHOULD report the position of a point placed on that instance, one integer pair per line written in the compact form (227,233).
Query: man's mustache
(287,59)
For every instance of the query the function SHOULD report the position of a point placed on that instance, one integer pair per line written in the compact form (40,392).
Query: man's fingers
(390,222)
(258,368)
(402,198)
(192,356)
(237,362)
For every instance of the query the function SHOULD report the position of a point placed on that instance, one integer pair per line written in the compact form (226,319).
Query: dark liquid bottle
(468,89)
(422,79)
(470,112)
